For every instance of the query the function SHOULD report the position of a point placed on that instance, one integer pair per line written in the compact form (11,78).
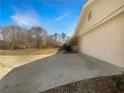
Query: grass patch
(16,52)
(10,59)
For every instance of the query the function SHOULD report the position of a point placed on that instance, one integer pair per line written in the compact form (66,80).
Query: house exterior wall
(106,42)
(101,10)
(103,35)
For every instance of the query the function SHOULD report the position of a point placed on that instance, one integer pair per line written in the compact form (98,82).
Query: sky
(52,15)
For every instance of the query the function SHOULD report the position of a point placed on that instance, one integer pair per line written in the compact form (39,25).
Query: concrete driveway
(53,71)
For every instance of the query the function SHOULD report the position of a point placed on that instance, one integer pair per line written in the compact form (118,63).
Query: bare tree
(64,36)
(36,37)
(39,34)
(14,35)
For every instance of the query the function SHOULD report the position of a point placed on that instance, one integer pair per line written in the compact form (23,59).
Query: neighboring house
(3,44)
(100,31)
(1,37)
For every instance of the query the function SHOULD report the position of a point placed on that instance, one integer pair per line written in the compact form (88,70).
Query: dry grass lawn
(14,58)
(19,52)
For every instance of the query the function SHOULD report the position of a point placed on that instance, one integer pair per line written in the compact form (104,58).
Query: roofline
(85,8)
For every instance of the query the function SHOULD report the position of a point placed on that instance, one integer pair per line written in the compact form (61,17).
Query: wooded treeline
(15,37)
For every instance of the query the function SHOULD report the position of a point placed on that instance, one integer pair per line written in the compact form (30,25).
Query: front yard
(14,58)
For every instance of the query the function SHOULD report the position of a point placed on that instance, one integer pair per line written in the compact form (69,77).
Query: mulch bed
(107,84)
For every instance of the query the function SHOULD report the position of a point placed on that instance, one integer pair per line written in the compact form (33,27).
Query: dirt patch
(109,84)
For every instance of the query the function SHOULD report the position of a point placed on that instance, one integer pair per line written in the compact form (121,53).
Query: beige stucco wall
(103,35)
(106,41)
(101,10)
